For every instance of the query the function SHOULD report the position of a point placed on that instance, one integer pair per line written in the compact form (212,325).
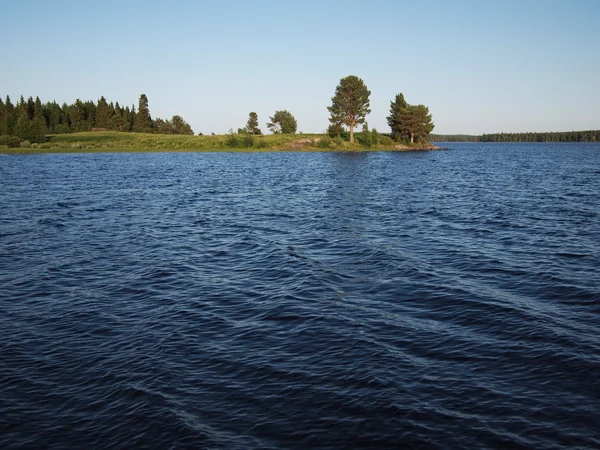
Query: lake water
(291,300)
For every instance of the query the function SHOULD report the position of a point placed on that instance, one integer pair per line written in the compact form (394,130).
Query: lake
(443,299)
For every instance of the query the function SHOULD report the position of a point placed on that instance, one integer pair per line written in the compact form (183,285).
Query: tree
(350,104)
(283,122)
(103,114)
(409,122)
(393,120)
(142,122)
(417,121)
(252,125)
(180,126)
(78,116)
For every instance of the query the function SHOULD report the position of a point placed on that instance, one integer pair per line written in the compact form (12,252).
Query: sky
(480,66)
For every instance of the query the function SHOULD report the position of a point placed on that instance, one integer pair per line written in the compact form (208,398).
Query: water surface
(292,300)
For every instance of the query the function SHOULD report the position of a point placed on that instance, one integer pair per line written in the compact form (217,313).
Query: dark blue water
(293,300)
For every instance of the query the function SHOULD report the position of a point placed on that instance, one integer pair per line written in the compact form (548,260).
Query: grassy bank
(112,141)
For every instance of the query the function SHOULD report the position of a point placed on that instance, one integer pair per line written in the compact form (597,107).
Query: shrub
(386,140)
(10,141)
(338,142)
(232,140)
(364,138)
(248,141)
(325,142)
(262,144)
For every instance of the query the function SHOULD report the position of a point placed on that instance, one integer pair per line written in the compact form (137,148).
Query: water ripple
(385,300)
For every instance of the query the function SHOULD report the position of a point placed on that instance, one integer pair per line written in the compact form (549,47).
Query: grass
(113,141)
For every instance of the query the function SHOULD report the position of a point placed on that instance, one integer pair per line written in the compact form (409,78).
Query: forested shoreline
(31,120)
(561,136)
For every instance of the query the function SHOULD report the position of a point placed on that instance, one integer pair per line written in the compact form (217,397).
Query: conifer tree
(8,122)
(103,114)
(350,104)
(2,115)
(252,125)
(396,107)
(142,121)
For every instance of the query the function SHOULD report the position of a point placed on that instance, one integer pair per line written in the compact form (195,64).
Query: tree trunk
(412,138)
(352,132)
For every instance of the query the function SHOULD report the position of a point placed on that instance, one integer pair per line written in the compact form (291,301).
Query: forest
(32,120)
(563,136)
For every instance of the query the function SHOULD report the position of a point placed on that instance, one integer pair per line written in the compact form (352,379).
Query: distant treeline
(31,119)
(563,136)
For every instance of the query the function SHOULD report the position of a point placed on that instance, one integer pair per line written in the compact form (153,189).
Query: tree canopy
(350,104)
(283,122)
(410,123)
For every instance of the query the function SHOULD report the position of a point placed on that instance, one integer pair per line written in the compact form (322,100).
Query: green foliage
(252,125)
(364,137)
(394,121)
(283,122)
(104,114)
(350,104)
(143,122)
(567,136)
(247,141)
(375,137)
(325,142)
(262,144)
(409,123)
(385,141)
(10,141)
(335,129)
(233,140)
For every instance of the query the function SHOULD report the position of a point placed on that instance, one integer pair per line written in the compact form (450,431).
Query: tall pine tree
(350,104)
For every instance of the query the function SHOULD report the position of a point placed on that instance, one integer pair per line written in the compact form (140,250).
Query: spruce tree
(397,106)
(9,117)
(39,127)
(350,104)
(2,117)
(142,121)
(103,114)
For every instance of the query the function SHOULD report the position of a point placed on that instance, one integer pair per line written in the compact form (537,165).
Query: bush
(325,142)
(375,137)
(262,144)
(364,138)
(386,140)
(232,140)
(248,141)
(10,141)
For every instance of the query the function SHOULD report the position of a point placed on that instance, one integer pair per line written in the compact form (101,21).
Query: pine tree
(283,122)
(409,122)
(416,120)
(350,104)
(252,125)
(142,121)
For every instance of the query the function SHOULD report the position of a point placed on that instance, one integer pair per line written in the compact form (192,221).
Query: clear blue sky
(480,66)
